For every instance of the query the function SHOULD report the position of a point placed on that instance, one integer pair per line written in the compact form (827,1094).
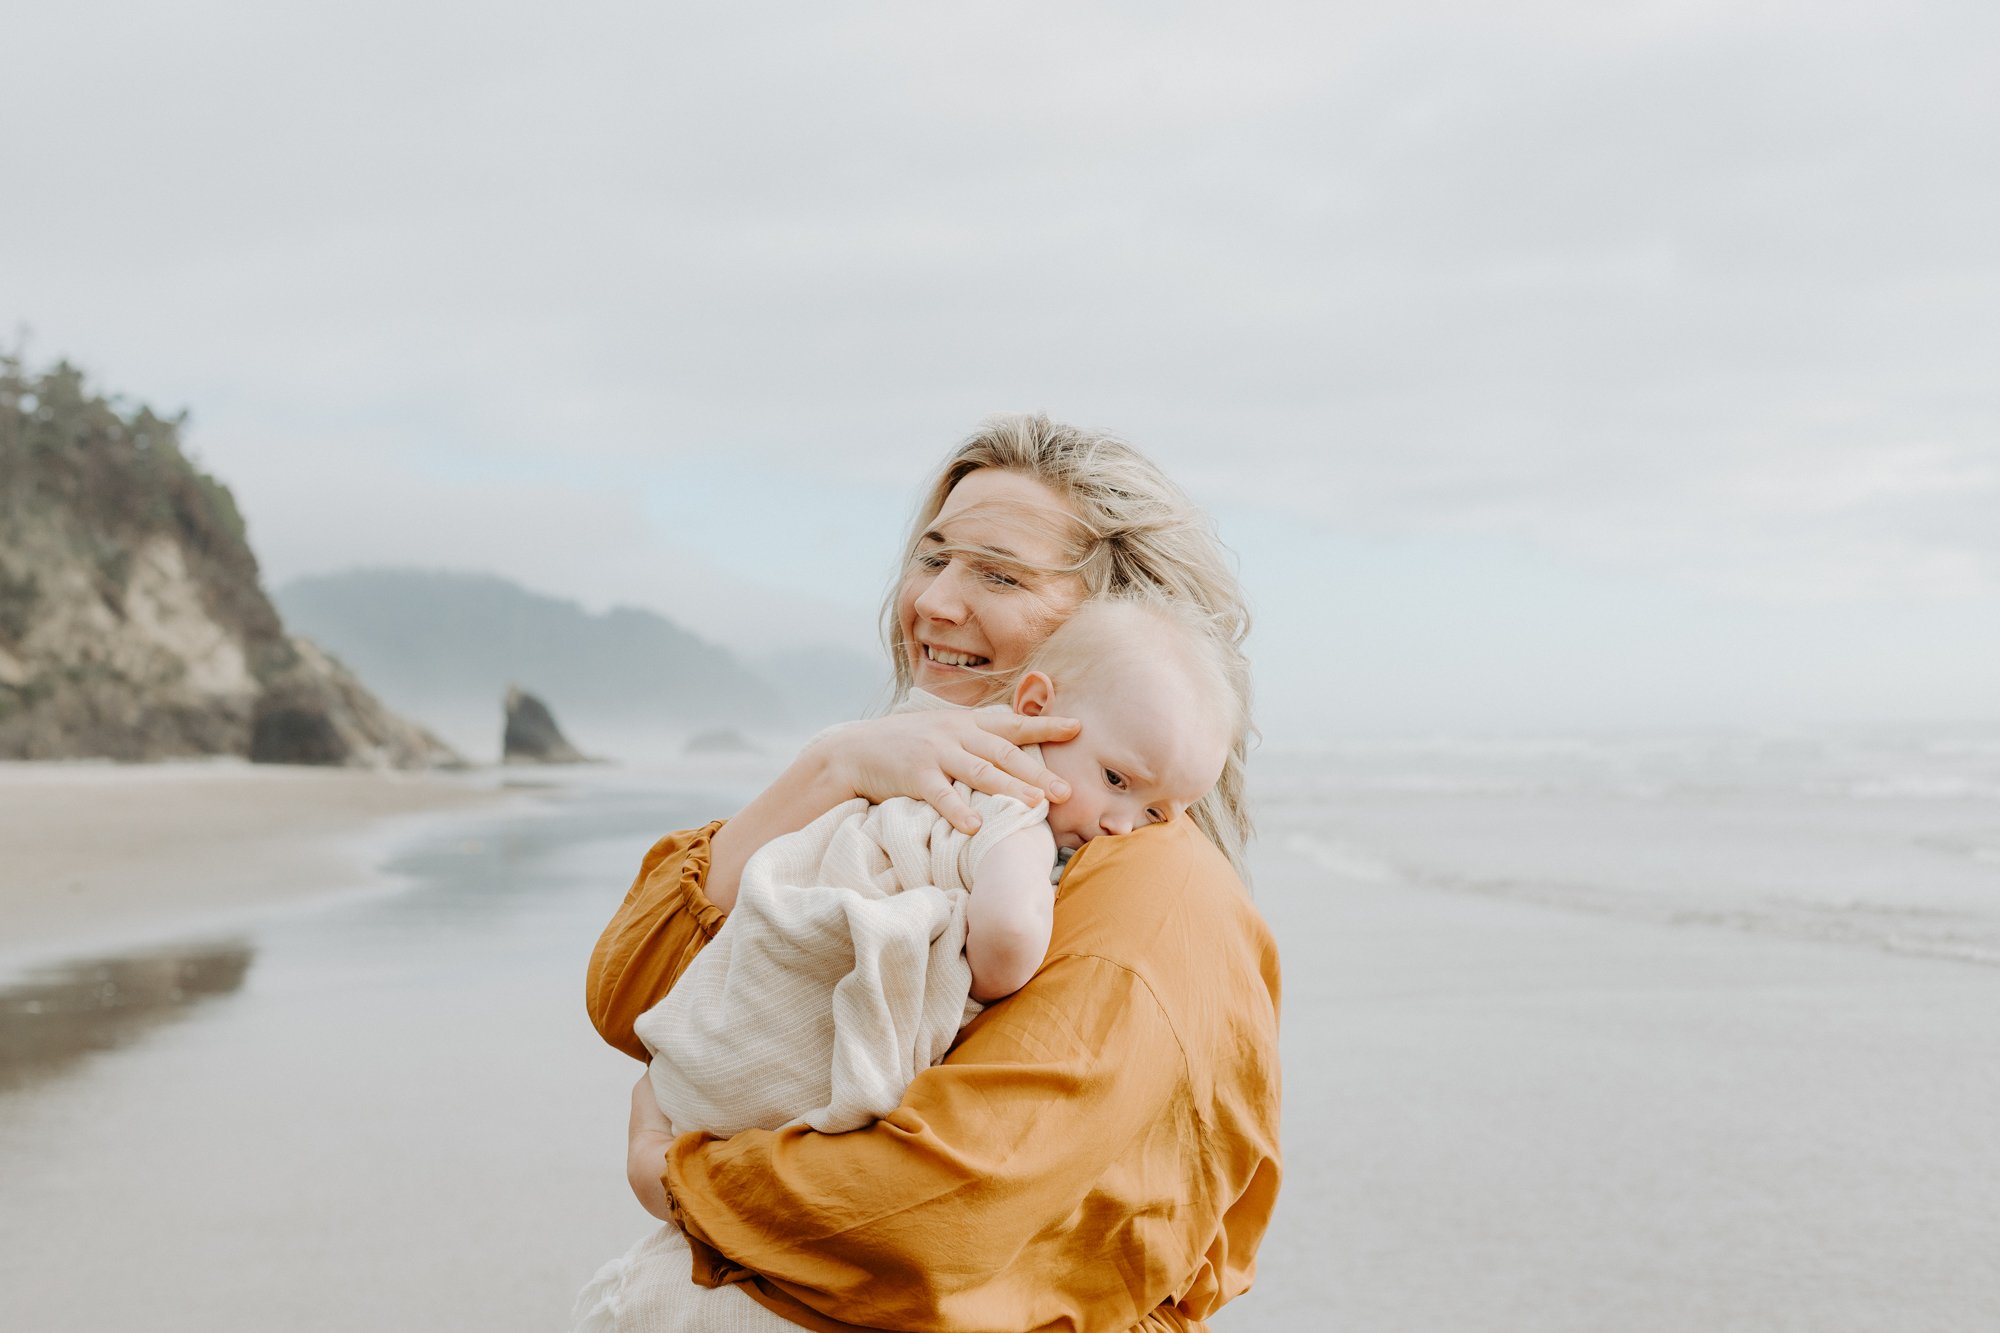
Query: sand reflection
(55,1016)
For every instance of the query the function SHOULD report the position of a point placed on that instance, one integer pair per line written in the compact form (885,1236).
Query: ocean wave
(1922,787)
(1911,930)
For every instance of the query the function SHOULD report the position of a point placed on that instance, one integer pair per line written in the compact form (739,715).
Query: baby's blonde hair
(1135,530)
(1099,642)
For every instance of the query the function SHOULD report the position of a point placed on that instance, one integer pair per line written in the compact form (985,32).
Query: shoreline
(98,856)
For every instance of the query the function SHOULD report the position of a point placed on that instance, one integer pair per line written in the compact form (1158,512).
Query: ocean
(1663,1032)
(1884,839)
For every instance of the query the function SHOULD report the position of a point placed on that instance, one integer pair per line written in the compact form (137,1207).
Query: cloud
(1693,295)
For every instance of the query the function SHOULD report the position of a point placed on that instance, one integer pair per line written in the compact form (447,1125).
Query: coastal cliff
(133,622)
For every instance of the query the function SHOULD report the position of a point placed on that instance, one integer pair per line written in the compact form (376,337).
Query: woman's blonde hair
(1137,531)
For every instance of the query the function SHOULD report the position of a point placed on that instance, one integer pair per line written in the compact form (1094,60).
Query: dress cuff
(707,917)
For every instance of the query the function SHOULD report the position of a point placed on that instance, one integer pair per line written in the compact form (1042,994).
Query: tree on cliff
(133,624)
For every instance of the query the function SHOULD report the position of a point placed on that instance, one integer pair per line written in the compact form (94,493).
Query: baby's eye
(1114,779)
(1157,815)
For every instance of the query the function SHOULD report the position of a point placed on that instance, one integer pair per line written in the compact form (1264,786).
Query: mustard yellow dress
(1099,1151)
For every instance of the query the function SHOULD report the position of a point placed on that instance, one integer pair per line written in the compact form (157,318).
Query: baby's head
(1156,690)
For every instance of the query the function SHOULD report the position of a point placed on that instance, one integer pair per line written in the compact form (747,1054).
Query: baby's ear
(1033,695)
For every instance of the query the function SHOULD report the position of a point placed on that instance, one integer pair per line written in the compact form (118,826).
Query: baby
(1159,718)
(859,945)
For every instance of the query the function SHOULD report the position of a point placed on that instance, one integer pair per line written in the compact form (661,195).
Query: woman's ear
(1034,694)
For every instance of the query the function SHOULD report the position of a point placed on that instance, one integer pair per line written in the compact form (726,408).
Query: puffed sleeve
(663,923)
(1054,1140)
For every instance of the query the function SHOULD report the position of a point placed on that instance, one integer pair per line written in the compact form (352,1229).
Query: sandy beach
(1570,1043)
(102,855)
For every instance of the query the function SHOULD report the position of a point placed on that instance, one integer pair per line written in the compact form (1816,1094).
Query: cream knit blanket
(839,974)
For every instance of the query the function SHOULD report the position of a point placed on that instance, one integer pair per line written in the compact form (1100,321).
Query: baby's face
(1144,755)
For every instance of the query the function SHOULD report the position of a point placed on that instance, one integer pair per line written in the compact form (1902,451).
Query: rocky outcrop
(133,624)
(532,736)
(316,712)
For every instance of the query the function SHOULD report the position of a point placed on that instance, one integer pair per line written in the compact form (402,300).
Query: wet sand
(388,1111)
(96,856)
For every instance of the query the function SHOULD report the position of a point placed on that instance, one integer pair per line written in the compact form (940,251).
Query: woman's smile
(942,656)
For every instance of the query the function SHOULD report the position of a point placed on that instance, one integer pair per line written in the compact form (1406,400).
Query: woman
(1098,1151)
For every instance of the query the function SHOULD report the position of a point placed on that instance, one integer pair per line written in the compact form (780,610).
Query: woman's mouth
(946,657)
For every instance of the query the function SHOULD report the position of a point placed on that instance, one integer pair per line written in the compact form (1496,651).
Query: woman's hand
(921,754)
(646,1141)
(904,754)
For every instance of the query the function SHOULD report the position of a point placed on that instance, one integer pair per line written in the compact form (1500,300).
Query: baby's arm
(1011,912)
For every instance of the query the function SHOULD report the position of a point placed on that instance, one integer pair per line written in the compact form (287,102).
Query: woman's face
(969,610)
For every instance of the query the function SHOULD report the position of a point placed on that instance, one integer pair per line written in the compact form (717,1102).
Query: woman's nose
(942,597)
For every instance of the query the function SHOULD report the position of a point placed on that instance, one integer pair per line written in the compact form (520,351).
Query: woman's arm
(663,923)
(916,754)
(648,1135)
(1099,1151)
(1059,1128)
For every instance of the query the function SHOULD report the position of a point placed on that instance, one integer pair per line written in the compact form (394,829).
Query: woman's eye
(1114,779)
(934,561)
(1001,580)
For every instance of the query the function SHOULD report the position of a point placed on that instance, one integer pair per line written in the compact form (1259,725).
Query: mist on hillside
(445,647)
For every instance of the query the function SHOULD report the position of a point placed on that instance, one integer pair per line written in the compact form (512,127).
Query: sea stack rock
(532,736)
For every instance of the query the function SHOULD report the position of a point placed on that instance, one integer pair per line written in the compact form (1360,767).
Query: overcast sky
(1567,367)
